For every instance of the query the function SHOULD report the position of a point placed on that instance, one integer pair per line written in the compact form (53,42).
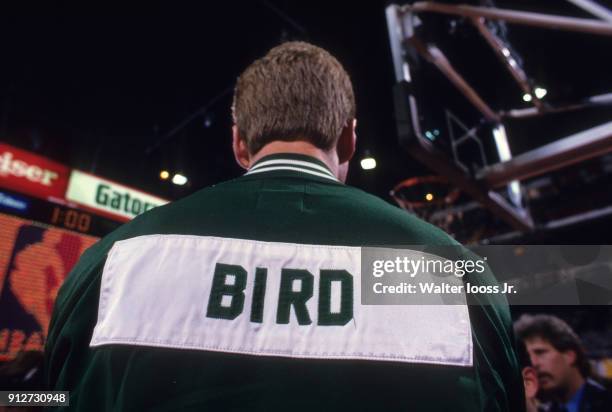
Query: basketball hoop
(428,197)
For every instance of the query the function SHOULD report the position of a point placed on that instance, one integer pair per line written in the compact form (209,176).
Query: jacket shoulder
(393,218)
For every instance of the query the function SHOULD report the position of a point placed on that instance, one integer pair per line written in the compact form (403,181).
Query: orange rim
(413,181)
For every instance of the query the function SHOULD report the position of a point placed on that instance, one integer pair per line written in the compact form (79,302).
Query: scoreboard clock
(54,214)
(71,219)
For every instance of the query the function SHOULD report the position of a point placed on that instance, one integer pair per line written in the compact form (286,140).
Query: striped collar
(292,162)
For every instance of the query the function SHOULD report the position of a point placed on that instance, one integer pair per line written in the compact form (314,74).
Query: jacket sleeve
(74,315)
(495,347)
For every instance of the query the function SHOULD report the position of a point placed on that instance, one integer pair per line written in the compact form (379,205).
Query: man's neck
(299,147)
(573,387)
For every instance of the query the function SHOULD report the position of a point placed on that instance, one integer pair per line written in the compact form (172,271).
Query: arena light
(429,197)
(164,175)
(368,162)
(540,92)
(179,179)
(527,97)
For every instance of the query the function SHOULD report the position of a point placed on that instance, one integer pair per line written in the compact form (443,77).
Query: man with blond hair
(246,295)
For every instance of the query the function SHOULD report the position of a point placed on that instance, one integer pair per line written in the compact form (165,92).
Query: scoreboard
(35,258)
(49,215)
(56,214)
(40,242)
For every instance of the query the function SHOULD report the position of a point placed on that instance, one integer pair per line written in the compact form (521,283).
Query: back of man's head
(295,92)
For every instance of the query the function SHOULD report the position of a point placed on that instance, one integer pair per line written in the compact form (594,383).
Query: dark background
(94,87)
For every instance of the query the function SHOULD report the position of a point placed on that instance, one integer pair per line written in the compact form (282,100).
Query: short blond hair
(297,91)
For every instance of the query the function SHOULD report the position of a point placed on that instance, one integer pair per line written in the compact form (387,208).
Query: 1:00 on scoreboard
(71,219)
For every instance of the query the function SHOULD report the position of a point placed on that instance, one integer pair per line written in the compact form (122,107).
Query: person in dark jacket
(246,296)
(562,367)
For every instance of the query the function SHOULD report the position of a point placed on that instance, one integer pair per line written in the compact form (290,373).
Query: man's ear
(240,148)
(570,357)
(347,142)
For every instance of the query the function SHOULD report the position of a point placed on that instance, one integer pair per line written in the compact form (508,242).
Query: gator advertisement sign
(106,197)
(34,261)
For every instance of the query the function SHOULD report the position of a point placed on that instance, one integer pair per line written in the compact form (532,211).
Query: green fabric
(284,206)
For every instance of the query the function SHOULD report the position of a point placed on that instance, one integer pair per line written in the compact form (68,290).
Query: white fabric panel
(155,292)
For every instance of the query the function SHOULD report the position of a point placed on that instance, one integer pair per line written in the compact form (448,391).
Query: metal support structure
(517,17)
(503,53)
(561,153)
(397,31)
(562,223)
(579,218)
(435,56)
(503,150)
(400,28)
(469,135)
(572,149)
(431,157)
(593,101)
(593,8)
(477,15)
